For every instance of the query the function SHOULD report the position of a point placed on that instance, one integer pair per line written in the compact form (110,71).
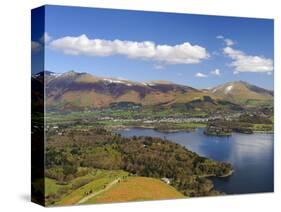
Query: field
(111,119)
(137,189)
(263,127)
(108,186)
(73,191)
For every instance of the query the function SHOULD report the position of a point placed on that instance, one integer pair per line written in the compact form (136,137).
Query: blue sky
(217,50)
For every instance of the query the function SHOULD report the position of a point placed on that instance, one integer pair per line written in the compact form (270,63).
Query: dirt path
(85,199)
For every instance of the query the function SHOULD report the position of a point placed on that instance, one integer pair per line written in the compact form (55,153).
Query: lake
(251,156)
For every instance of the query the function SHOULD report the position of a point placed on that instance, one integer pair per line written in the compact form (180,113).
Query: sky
(195,50)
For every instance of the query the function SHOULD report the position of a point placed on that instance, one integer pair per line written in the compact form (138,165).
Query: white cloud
(35,46)
(200,75)
(45,38)
(248,63)
(184,53)
(228,42)
(216,72)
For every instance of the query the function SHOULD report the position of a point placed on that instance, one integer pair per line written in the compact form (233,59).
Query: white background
(15,103)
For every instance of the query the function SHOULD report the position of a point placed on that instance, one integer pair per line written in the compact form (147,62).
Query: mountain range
(80,91)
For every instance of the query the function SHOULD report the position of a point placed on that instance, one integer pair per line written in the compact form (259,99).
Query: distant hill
(80,91)
(241,92)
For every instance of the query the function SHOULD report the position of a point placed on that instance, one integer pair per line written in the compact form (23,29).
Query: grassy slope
(137,189)
(242,94)
(129,189)
(52,187)
(97,184)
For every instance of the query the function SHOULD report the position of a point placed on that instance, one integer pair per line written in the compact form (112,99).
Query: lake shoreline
(249,154)
(222,176)
(185,130)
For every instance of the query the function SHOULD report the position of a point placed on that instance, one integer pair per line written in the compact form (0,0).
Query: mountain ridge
(49,73)
(83,90)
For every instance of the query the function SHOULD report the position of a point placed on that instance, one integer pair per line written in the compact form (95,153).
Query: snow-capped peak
(228,89)
(113,81)
(148,83)
(55,74)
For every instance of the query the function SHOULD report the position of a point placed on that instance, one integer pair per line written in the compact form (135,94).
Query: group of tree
(142,156)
